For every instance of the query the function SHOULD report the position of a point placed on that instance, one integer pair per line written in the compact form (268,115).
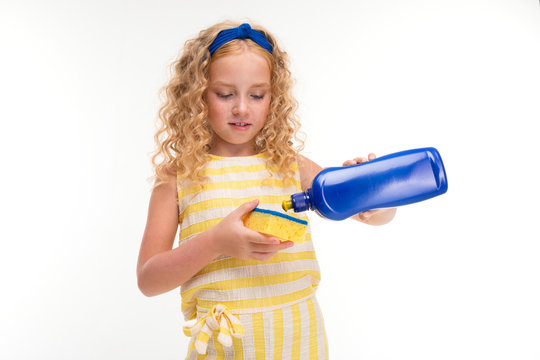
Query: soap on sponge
(276,224)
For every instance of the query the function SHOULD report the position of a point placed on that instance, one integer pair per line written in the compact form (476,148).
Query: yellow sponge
(276,224)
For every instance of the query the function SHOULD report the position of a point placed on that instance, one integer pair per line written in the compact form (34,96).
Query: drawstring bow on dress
(218,318)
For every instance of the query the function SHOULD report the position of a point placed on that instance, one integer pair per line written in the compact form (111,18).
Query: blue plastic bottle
(397,179)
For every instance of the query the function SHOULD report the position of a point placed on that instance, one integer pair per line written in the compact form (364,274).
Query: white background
(455,277)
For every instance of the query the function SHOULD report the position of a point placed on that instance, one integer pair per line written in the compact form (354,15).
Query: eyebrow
(258,85)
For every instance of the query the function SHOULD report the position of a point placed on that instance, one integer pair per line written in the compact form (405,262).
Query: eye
(223,96)
(258,97)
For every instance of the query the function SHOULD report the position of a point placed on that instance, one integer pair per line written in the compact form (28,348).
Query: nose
(240,107)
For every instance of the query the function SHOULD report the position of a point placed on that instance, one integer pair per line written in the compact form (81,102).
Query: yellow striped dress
(273,301)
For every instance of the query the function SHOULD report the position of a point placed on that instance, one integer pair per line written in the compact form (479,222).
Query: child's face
(238,99)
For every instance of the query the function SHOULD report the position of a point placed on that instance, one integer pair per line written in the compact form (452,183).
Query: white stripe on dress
(304,326)
(320,330)
(269,338)
(287,332)
(248,339)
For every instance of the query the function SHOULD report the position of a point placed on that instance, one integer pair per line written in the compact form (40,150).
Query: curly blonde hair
(184,136)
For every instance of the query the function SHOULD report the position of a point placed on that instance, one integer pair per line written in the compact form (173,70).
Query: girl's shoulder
(167,179)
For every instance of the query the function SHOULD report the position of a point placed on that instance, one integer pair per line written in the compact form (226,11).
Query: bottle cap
(299,202)
(287,205)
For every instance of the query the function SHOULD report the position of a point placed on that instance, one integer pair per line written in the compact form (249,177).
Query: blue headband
(244,31)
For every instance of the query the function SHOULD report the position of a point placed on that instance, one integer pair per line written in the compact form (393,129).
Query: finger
(246,208)
(349,163)
(360,160)
(255,237)
(373,212)
(257,247)
(288,244)
(264,239)
(371,156)
(365,215)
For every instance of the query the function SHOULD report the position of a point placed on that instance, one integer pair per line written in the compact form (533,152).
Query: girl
(225,147)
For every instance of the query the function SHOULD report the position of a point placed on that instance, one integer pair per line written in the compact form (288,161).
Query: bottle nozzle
(287,205)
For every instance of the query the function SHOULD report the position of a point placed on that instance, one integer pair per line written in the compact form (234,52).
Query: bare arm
(308,170)
(161,268)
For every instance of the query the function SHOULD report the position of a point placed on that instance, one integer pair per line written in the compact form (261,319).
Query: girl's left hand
(384,215)
(366,215)
(359,160)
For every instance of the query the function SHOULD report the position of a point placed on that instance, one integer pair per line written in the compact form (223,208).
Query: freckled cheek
(216,111)
(264,111)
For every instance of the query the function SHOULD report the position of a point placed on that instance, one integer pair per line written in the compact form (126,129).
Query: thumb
(246,207)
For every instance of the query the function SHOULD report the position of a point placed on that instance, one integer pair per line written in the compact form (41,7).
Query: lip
(241,128)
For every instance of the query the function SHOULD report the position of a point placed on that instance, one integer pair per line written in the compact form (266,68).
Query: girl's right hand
(231,237)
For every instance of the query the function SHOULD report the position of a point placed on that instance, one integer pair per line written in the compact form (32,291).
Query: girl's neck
(233,151)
